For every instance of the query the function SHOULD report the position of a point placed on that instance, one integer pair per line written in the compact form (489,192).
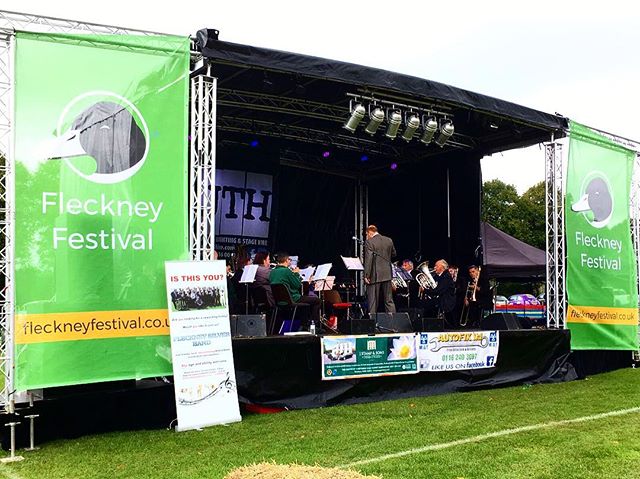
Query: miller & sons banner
(101,203)
(602,295)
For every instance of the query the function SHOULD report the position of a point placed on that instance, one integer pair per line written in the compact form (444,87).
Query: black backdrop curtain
(313,213)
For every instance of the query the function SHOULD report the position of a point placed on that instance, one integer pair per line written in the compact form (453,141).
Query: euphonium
(424,278)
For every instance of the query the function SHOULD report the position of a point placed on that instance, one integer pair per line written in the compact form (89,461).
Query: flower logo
(404,347)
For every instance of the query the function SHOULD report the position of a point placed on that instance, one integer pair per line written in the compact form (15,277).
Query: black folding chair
(283,299)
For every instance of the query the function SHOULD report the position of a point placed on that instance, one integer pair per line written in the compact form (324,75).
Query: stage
(282,372)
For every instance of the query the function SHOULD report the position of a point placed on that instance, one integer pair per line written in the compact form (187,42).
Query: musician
(291,279)
(407,270)
(378,251)
(263,275)
(443,296)
(478,297)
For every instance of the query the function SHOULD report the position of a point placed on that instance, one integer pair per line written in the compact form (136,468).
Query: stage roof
(305,101)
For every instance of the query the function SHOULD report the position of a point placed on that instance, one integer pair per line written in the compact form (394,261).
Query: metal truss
(279,104)
(556,258)
(202,155)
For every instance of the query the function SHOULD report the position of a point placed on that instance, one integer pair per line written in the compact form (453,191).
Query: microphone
(355,238)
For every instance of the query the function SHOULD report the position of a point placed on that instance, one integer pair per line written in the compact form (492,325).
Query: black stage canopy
(508,257)
(426,197)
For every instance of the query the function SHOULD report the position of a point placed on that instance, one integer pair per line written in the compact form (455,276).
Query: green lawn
(602,448)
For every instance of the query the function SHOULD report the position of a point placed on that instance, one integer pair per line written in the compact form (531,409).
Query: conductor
(378,251)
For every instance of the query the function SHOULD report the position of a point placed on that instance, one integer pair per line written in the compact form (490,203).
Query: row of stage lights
(412,117)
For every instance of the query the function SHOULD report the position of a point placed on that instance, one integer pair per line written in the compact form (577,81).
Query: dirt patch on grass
(293,471)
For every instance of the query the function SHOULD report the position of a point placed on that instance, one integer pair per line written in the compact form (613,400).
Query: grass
(603,448)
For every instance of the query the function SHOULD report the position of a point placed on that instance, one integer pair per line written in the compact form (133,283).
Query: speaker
(359,326)
(393,323)
(248,325)
(501,321)
(416,316)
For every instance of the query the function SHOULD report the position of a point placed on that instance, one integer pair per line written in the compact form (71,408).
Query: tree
(498,204)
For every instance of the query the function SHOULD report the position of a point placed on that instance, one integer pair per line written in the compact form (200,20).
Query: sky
(576,58)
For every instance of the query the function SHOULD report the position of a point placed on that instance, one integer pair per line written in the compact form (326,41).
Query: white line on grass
(8,474)
(482,437)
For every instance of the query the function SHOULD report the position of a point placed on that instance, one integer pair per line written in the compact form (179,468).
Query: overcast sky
(577,58)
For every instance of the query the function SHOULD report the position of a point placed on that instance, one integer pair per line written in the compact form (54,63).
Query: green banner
(101,203)
(345,357)
(601,276)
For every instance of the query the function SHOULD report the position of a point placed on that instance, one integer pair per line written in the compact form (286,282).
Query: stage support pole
(12,457)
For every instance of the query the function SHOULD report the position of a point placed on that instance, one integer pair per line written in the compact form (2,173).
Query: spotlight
(395,119)
(412,125)
(254,143)
(376,117)
(364,158)
(430,128)
(394,166)
(446,130)
(356,117)
(326,154)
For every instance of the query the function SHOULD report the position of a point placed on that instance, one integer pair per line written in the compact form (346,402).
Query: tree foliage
(522,217)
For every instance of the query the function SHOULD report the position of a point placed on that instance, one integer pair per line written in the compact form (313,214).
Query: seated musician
(442,299)
(263,274)
(291,279)
(408,296)
(478,297)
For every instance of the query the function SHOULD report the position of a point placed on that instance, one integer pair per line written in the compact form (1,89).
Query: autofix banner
(101,203)
(602,309)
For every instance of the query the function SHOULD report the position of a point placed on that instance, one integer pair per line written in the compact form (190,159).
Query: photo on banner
(601,274)
(101,202)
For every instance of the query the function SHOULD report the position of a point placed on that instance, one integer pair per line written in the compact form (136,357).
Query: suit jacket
(446,291)
(263,282)
(377,267)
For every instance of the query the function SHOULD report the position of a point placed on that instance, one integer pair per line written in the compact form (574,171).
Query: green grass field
(606,447)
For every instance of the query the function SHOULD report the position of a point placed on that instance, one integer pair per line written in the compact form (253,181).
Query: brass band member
(291,279)
(478,297)
(378,251)
(442,298)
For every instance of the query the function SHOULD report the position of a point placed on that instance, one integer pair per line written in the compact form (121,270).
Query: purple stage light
(394,166)
(326,154)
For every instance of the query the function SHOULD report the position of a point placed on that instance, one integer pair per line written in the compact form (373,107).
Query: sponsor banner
(243,202)
(602,284)
(101,203)
(203,371)
(345,357)
(458,351)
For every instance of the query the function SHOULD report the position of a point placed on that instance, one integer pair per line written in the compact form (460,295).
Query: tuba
(424,278)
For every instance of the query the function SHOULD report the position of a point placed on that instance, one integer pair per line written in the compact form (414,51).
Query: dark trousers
(377,291)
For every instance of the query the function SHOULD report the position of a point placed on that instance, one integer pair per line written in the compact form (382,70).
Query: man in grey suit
(378,251)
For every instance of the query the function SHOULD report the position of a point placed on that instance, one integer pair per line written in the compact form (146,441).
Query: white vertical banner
(203,370)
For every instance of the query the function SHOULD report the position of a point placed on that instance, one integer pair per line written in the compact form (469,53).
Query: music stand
(248,277)
(353,264)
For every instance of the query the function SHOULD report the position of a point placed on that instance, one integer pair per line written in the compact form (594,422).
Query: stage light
(395,119)
(364,158)
(394,166)
(412,125)
(376,117)
(326,154)
(356,117)
(254,143)
(430,128)
(446,131)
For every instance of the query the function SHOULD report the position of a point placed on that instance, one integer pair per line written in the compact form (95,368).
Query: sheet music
(352,264)
(249,273)
(322,271)
(306,273)
(324,284)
